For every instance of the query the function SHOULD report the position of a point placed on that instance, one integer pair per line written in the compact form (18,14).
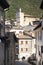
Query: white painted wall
(26,54)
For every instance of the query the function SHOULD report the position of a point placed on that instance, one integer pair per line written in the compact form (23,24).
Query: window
(26,49)
(36,35)
(20,32)
(16,56)
(29,23)
(26,42)
(41,49)
(40,35)
(21,42)
(21,49)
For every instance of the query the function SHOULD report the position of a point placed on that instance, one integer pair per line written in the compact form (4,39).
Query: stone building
(11,48)
(39,40)
(25,45)
(18,30)
(12,40)
(24,19)
(3,5)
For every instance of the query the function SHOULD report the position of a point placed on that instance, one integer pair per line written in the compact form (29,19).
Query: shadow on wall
(15,38)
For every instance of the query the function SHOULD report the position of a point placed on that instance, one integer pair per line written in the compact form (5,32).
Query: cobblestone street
(21,63)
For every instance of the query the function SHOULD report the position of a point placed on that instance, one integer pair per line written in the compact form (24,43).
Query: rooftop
(38,26)
(24,37)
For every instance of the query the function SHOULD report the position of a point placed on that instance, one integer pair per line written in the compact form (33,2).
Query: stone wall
(11,50)
(1,54)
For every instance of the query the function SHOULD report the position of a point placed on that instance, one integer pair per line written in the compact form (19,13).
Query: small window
(40,35)
(39,52)
(21,42)
(21,49)
(41,49)
(20,32)
(29,23)
(26,42)
(26,49)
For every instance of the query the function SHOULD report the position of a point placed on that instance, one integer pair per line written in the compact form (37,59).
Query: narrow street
(21,32)
(21,63)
